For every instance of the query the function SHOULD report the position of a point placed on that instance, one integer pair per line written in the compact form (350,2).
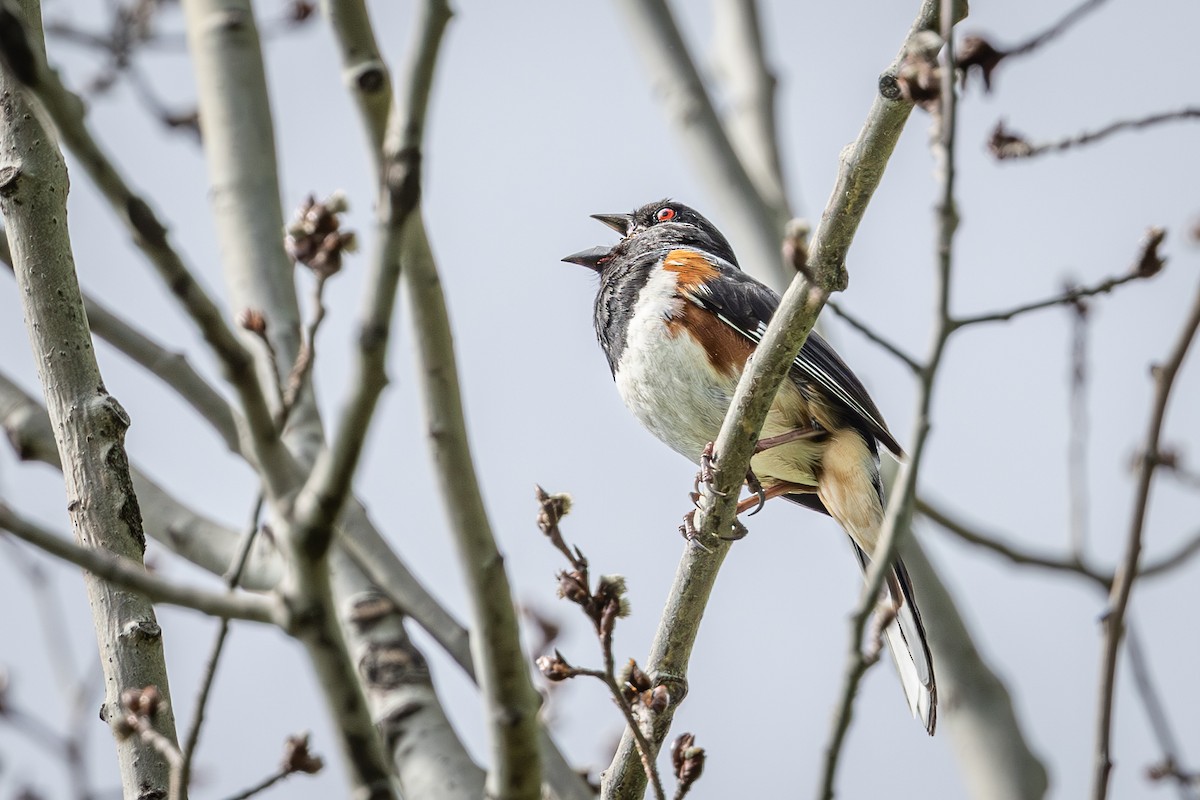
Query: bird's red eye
(665,214)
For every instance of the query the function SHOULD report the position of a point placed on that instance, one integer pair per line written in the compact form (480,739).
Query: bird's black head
(668,221)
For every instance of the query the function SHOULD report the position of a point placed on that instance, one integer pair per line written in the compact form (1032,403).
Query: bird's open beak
(592,258)
(621,223)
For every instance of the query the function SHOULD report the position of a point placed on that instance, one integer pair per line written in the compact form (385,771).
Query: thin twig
(899,508)
(72,748)
(1067,564)
(1072,295)
(1164,375)
(1073,16)
(304,361)
(602,607)
(1156,713)
(874,336)
(262,785)
(1077,431)
(1006,145)
(296,758)
(232,579)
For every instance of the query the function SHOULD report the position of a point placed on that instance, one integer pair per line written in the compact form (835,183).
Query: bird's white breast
(667,380)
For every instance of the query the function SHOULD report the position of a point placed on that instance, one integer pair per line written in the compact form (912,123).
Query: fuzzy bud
(554,668)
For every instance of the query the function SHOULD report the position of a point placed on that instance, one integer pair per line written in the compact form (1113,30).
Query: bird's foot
(760,496)
(705,475)
(690,532)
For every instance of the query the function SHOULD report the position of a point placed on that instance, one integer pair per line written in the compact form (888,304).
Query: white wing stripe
(810,369)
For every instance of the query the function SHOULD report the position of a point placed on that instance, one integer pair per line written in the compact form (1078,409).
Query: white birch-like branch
(150,235)
(361,62)
(172,367)
(751,86)
(132,575)
(364,71)
(205,543)
(213,547)
(89,424)
(429,759)
(239,145)
(501,666)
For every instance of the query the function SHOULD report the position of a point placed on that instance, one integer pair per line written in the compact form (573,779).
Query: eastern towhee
(677,319)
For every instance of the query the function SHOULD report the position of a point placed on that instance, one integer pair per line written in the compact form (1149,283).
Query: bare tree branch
(239,145)
(1127,572)
(240,149)
(1067,564)
(1006,145)
(898,515)
(1070,296)
(977,52)
(500,665)
(200,540)
(1071,564)
(362,539)
(1148,264)
(1156,714)
(128,574)
(429,759)
(324,492)
(750,119)
(994,756)
(151,236)
(1070,18)
(296,758)
(364,71)
(870,333)
(232,578)
(89,424)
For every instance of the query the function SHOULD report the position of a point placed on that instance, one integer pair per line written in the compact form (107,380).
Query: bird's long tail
(908,643)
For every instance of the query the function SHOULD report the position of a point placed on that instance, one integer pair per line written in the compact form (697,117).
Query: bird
(677,319)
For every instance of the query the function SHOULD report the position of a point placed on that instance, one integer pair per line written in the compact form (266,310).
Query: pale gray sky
(542,115)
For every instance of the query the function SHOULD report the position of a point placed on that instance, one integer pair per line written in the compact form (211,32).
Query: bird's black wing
(747,306)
